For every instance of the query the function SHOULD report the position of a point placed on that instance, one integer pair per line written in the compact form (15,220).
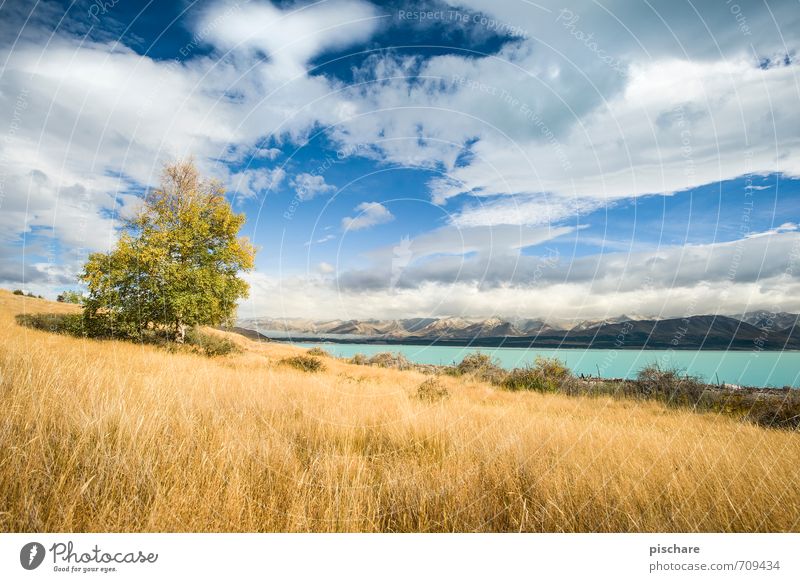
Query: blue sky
(399,159)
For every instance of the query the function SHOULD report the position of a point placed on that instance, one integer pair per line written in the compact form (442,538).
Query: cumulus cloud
(669,125)
(744,261)
(693,104)
(730,277)
(369,214)
(290,37)
(254,182)
(308,186)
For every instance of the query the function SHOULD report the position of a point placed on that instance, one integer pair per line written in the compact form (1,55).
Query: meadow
(107,435)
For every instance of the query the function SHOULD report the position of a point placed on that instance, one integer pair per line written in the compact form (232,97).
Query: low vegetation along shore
(770,407)
(228,434)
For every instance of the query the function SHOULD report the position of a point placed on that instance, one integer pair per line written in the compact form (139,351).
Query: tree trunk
(180,332)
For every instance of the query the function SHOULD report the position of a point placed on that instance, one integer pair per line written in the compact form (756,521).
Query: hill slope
(114,436)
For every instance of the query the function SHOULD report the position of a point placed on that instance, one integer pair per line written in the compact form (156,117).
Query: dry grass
(111,436)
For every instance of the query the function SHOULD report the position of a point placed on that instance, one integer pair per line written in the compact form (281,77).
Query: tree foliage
(177,261)
(69,297)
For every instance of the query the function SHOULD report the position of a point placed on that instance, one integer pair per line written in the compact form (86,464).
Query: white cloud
(291,37)
(723,278)
(671,125)
(546,114)
(319,241)
(325,268)
(255,182)
(267,153)
(369,214)
(308,186)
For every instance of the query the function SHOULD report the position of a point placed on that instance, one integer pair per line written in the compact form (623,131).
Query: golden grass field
(114,436)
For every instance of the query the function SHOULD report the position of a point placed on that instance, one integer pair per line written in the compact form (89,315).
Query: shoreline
(512,343)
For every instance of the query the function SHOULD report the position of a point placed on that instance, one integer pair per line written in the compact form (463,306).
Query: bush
(668,384)
(18,292)
(318,351)
(390,360)
(474,363)
(525,378)
(359,360)
(68,323)
(304,363)
(482,367)
(777,412)
(432,390)
(76,324)
(101,326)
(763,406)
(546,375)
(211,345)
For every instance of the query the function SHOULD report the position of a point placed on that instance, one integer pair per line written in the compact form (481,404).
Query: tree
(177,262)
(69,297)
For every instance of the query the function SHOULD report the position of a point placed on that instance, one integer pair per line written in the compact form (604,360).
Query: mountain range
(757,330)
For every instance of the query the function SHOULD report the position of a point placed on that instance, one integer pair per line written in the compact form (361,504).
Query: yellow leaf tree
(177,262)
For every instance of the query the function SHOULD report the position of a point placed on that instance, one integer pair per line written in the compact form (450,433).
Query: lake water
(761,369)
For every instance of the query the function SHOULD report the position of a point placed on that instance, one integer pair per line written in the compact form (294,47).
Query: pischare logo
(31,555)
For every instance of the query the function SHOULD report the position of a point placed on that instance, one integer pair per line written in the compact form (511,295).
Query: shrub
(69,323)
(304,363)
(318,351)
(432,390)
(390,360)
(18,292)
(777,412)
(482,367)
(668,384)
(211,345)
(546,375)
(102,326)
(764,407)
(474,362)
(552,369)
(76,324)
(525,378)
(359,360)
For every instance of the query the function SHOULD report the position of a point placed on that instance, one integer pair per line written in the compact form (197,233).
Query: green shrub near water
(318,351)
(546,375)
(670,385)
(480,366)
(390,360)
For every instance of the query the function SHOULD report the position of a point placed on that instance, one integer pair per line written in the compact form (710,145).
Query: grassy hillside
(112,436)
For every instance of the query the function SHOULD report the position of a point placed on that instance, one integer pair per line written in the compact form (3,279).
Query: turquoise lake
(760,369)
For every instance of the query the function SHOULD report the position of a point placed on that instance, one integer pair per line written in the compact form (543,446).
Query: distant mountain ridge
(758,330)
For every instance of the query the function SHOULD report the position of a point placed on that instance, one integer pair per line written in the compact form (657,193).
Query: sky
(475,158)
